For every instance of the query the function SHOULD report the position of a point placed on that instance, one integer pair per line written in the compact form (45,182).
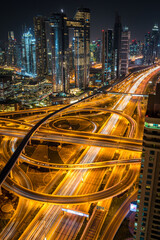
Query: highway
(10,164)
(116,221)
(79,187)
(125,184)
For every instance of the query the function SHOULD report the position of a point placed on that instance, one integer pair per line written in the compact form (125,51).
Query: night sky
(139,16)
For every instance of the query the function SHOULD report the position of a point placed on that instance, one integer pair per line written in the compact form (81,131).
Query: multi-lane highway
(107,167)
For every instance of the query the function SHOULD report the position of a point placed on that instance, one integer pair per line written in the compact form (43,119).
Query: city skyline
(138,17)
(80,120)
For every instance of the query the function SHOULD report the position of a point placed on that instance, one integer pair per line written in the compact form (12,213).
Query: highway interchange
(39,213)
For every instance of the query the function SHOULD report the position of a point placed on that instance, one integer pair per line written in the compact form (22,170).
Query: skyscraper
(107,52)
(82,47)
(148,49)
(135,48)
(11,51)
(155,41)
(2,57)
(41,48)
(125,38)
(117,44)
(96,51)
(28,52)
(60,44)
(147,224)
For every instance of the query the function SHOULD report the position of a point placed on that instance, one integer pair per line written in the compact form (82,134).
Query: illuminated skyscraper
(60,44)
(11,52)
(136,48)
(41,48)
(147,224)
(28,52)
(82,47)
(155,41)
(117,44)
(96,51)
(18,55)
(152,45)
(148,49)
(107,52)
(2,57)
(124,54)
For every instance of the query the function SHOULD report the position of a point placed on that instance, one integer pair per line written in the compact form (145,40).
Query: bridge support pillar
(0,190)
(11,174)
(18,161)
(23,151)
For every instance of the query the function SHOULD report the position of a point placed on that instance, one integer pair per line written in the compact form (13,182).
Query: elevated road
(10,164)
(130,94)
(118,218)
(115,190)
(75,166)
(98,140)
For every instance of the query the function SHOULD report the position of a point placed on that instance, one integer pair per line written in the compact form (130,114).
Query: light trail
(52,214)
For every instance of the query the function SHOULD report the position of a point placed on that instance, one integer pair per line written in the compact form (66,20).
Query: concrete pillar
(11,174)
(23,150)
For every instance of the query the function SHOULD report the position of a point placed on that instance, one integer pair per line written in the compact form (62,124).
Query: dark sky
(139,16)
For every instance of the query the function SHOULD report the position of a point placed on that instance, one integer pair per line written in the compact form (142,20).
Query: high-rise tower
(82,47)
(155,41)
(41,48)
(117,44)
(147,224)
(125,38)
(60,44)
(28,52)
(11,51)
(107,55)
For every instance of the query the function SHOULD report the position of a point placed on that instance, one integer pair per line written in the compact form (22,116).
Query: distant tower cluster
(136,48)
(115,51)
(52,48)
(48,52)
(152,45)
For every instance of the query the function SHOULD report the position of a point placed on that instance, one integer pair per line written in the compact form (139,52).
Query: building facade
(152,45)
(147,222)
(82,47)
(41,48)
(125,39)
(117,45)
(96,51)
(11,51)
(28,52)
(107,58)
(60,44)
